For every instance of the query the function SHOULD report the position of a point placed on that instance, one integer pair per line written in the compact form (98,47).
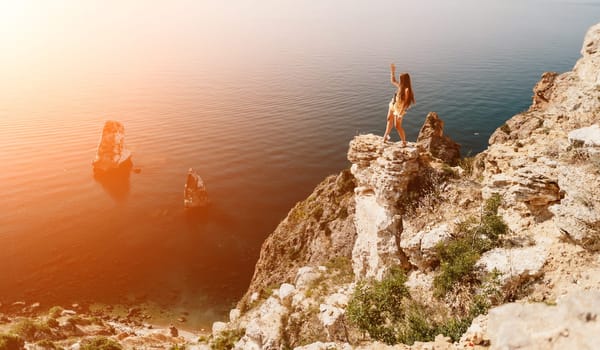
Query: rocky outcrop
(382,177)
(531,187)
(572,324)
(315,231)
(578,213)
(194,192)
(432,138)
(112,153)
(542,163)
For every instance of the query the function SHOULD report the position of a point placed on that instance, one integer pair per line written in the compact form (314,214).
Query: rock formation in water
(526,211)
(112,154)
(194,192)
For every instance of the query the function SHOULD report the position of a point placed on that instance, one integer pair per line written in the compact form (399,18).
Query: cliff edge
(415,248)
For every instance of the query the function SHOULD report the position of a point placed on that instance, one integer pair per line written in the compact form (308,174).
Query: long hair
(406,98)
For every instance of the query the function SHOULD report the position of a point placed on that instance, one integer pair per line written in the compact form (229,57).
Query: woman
(402,100)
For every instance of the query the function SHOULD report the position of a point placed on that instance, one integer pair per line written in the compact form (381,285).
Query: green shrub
(225,340)
(458,257)
(100,343)
(46,345)
(376,307)
(55,312)
(11,342)
(457,260)
(467,164)
(31,330)
(341,269)
(387,312)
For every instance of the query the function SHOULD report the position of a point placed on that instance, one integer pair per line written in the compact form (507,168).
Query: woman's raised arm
(393,76)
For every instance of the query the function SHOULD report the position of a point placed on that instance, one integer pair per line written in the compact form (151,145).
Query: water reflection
(210,214)
(115,183)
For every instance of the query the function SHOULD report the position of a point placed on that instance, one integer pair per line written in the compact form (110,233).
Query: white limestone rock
(572,324)
(286,292)
(382,175)
(329,314)
(419,247)
(263,329)
(218,328)
(588,136)
(305,276)
(325,346)
(578,213)
(112,153)
(234,315)
(515,263)
(528,188)
(477,331)
(375,248)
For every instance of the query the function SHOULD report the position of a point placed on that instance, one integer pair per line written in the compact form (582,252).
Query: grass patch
(227,339)
(473,238)
(100,343)
(387,312)
(11,342)
(376,307)
(32,331)
(55,312)
(467,164)
(47,345)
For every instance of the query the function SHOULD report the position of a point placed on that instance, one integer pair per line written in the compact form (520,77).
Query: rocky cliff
(412,242)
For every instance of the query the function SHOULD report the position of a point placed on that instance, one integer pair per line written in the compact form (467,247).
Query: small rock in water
(32,308)
(181,319)
(112,153)
(134,311)
(4,319)
(173,330)
(194,193)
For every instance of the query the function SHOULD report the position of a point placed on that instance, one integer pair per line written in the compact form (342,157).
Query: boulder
(286,292)
(514,264)
(420,247)
(112,154)
(572,324)
(578,213)
(194,193)
(432,138)
(263,329)
(586,137)
(530,188)
(218,328)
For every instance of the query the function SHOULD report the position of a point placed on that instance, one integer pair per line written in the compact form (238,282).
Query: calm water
(261,98)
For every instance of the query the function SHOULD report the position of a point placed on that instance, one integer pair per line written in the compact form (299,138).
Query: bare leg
(400,129)
(390,123)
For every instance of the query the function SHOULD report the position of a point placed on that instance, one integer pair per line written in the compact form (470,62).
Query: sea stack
(432,138)
(112,154)
(194,193)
